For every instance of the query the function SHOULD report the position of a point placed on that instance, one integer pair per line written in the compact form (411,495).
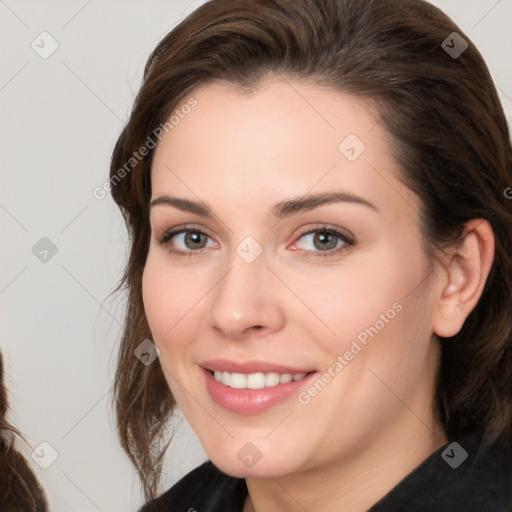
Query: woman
(19,489)
(320,274)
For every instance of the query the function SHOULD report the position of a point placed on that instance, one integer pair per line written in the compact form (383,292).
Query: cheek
(382,335)
(381,302)
(168,297)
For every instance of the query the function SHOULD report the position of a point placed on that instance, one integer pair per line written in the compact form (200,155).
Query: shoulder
(204,489)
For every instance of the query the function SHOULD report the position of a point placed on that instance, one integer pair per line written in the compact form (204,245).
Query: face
(251,282)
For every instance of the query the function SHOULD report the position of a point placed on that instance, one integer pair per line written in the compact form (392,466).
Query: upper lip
(254,366)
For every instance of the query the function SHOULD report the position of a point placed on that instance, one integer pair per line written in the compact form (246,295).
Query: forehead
(286,135)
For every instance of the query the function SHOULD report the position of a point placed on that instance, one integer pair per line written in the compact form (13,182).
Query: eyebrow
(279,210)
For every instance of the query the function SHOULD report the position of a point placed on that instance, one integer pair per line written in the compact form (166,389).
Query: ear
(466,272)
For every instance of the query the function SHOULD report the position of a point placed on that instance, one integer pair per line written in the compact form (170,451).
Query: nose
(246,300)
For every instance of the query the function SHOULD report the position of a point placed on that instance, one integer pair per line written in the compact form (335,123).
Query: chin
(244,459)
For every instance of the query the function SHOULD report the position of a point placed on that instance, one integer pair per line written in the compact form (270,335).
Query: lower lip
(252,401)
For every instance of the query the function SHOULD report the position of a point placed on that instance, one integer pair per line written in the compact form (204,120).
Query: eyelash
(347,241)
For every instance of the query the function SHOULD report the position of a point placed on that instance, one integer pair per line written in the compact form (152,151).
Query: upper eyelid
(326,227)
(179,230)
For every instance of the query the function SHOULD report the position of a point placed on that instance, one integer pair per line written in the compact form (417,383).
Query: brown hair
(19,489)
(450,139)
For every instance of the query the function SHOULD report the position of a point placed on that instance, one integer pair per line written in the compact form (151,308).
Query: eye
(189,241)
(321,241)
(325,241)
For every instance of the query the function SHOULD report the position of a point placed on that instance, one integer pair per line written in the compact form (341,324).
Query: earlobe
(465,277)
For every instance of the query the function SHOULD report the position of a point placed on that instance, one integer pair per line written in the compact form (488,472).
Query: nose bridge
(244,298)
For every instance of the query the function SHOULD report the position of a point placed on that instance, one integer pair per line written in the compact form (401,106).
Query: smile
(252,387)
(257,380)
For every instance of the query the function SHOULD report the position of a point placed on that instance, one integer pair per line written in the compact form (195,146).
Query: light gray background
(59,330)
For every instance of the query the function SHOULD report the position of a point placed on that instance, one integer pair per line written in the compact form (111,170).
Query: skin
(375,421)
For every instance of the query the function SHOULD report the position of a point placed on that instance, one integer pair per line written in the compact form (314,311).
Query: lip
(226,365)
(253,401)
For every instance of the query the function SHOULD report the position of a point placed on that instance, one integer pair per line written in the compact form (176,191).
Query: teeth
(255,380)
(271,379)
